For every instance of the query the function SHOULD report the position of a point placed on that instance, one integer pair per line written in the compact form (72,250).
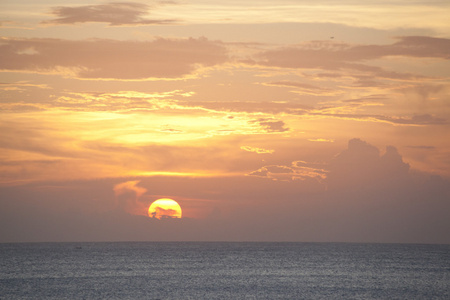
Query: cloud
(21,85)
(257,150)
(424,147)
(299,170)
(274,172)
(304,88)
(370,196)
(322,140)
(250,107)
(415,212)
(191,160)
(161,213)
(419,46)
(128,195)
(361,165)
(116,14)
(335,56)
(271,125)
(125,187)
(421,119)
(110,59)
(378,196)
(122,100)
(306,170)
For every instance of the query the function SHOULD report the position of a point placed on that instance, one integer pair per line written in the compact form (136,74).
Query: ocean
(223,270)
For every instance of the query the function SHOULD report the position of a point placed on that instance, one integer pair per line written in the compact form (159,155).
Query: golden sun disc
(165,208)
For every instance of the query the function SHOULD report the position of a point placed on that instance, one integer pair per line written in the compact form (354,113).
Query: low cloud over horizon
(358,196)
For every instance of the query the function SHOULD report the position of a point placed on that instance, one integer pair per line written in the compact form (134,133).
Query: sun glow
(164,208)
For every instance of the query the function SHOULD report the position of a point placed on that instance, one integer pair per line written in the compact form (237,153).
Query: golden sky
(283,120)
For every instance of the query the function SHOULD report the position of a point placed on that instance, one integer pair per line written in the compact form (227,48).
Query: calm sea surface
(224,271)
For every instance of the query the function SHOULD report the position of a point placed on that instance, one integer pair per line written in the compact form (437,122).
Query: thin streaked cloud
(114,14)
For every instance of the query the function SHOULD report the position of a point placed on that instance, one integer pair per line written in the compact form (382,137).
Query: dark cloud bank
(367,196)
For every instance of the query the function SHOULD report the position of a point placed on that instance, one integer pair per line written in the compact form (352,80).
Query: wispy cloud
(116,14)
(257,150)
(110,59)
(305,88)
(424,119)
(298,170)
(321,140)
(271,125)
(274,172)
(336,56)
(423,147)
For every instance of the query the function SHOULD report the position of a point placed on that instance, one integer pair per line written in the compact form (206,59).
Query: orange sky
(265,120)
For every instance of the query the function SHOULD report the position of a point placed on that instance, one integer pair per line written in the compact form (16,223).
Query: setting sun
(164,209)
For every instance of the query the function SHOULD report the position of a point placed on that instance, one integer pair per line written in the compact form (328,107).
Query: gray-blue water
(224,271)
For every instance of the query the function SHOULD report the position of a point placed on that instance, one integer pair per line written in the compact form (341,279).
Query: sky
(290,120)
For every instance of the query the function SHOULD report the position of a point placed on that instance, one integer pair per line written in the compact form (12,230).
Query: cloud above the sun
(335,56)
(111,59)
(172,58)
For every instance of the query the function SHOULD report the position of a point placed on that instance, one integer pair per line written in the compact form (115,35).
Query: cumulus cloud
(100,58)
(377,195)
(370,196)
(128,194)
(116,14)
(361,165)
